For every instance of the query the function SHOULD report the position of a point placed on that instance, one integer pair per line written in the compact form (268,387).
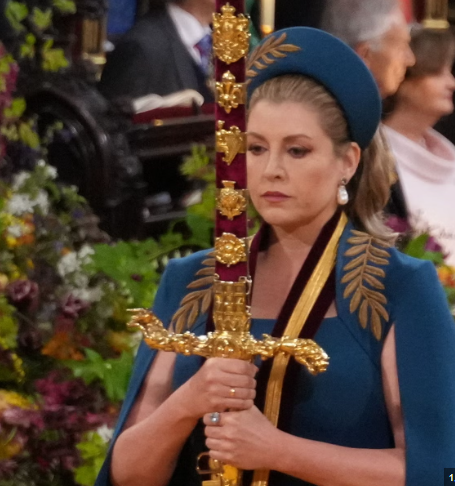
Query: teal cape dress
(346,405)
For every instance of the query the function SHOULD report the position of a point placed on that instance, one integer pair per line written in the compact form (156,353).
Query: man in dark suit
(161,54)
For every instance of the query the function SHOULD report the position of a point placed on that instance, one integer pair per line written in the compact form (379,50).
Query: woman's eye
(298,152)
(256,149)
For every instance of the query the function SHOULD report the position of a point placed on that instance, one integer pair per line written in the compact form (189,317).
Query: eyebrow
(287,139)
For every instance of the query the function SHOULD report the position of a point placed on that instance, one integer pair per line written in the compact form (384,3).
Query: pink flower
(433,245)
(23,294)
(72,307)
(399,225)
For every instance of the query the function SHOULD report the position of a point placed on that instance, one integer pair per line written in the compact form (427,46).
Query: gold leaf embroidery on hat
(197,302)
(273,46)
(369,300)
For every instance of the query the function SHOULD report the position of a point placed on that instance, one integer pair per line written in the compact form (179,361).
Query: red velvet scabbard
(236,171)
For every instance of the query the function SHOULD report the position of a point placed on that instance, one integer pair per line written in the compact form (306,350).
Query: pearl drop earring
(342,196)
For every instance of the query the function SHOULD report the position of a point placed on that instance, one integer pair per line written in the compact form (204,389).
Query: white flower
(42,201)
(19,204)
(69,263)
(51,172)
(41,163)
(20,179)
(15,230)
(88,295)
(84,254)
(105,433)
(80,280)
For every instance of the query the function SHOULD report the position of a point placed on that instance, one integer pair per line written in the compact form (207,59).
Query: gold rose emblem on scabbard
(230,250)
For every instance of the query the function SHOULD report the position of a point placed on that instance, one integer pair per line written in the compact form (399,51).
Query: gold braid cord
(363,279)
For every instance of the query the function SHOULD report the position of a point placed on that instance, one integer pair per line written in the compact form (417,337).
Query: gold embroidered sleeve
(363,276)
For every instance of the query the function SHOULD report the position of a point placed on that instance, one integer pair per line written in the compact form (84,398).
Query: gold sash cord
(293,329)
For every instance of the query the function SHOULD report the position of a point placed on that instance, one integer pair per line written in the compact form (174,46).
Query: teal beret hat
(329,61)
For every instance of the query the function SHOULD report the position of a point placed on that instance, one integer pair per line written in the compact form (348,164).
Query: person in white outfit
(425,160)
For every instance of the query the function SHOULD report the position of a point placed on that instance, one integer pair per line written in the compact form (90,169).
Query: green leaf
(65,6)
(28,48)
(42,18)
(201,229)
(5,63)
(28,135)
(16,109)
(93,451)
(53,59)
(416,247)
(113,374)
(9,326)
(16,12)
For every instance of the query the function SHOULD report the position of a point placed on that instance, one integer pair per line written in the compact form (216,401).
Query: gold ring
(232,392)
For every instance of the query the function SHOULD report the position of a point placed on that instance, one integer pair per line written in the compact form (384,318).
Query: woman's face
(431,94)
(293,172)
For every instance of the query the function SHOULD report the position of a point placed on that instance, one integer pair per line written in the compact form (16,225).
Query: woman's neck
(294,242)
(410,122)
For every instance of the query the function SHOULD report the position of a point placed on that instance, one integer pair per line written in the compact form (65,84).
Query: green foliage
(417,248)
(9,327)
(199,165)
(114,374)
(16,109)
(28,135)
(93,450)
(131,264)
(53,59)
(42,19)
(28,47)
(65,6)
(16,12)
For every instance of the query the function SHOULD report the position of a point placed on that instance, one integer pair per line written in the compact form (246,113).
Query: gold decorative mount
(231,36)
(226,344)
(229,93)
(230,142)
(230,250)
(231,202)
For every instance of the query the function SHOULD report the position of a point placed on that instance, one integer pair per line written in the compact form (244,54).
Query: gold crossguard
(231,339)
(228,344)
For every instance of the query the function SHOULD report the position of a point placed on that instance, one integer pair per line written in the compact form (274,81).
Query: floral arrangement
(64,363)
(424,246)
(65,352)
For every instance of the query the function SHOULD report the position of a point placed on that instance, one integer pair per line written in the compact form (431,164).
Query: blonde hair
(369,189)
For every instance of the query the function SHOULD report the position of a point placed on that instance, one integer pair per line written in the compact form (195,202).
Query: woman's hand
(243,439)
(221,384)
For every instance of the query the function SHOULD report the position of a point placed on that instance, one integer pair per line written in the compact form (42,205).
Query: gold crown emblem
(231,36)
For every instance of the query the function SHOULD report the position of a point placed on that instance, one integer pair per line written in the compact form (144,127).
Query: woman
(425,160)
(383,411)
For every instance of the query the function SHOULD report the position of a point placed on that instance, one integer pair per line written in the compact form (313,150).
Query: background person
(168,50)
(425,160)
(378,32)
(313,162)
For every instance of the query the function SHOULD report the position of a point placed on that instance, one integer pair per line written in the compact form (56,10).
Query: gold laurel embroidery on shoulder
(197,302)
(273,46)
(367,250)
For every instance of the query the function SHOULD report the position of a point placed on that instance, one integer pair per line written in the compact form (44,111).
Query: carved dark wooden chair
(92,152)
